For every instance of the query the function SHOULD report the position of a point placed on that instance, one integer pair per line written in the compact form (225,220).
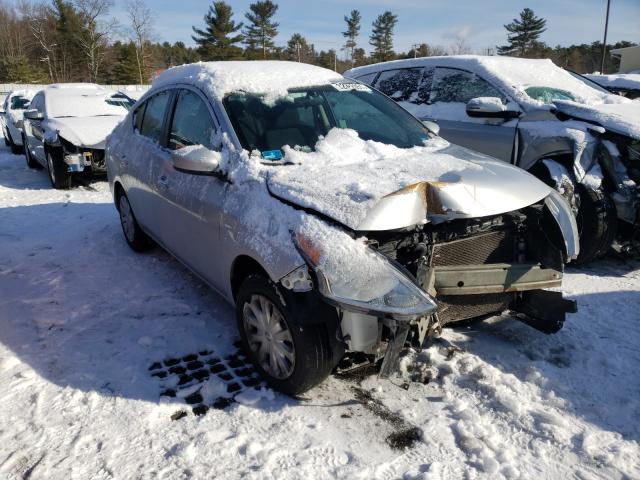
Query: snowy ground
(82,319)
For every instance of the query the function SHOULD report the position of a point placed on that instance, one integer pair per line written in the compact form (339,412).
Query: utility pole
(298,51)
(604,43)
(335,61)
(415,47)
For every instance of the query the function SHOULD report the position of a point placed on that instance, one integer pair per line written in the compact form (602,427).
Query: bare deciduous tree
(94,39)
(141,25)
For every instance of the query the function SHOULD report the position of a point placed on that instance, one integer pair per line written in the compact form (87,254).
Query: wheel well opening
(118,189)
(243,266)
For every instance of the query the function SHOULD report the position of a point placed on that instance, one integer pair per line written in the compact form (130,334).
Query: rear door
(449,91)
(142,157)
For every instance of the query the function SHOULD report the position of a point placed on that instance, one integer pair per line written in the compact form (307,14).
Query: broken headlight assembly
(363,281)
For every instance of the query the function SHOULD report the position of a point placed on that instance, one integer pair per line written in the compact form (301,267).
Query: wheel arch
(241,268)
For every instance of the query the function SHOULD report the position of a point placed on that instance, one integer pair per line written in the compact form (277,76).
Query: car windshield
(548,94)
(300,118)
(89,105)
(19,103)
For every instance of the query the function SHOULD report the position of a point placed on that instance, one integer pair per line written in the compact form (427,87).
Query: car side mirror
(433,127)
(196,159)
(33,115)
(490,107)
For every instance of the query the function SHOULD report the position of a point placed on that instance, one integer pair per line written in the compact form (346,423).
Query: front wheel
(58,171)
(597,223)
(15,149)
(31,162)
(291,358)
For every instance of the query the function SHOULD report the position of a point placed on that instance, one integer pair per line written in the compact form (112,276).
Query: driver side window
(38,103)
(451,85)
(192,123)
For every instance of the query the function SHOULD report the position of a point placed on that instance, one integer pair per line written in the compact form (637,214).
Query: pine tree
(217,41)
(299,50)
(125,70)
(523,34)
(382,37)
(261,30)
(351,33)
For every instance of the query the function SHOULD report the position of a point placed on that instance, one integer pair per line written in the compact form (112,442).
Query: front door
(191,206)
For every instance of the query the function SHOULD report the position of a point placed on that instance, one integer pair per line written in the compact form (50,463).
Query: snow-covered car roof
(269,77)
(512,75)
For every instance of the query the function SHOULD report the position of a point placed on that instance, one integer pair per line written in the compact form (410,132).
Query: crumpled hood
(622,118)
(426,184)
(87,132)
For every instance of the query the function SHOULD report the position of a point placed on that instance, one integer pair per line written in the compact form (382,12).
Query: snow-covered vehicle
(66,127)
(625,84)
(329,216)
(15,103)
(580,139)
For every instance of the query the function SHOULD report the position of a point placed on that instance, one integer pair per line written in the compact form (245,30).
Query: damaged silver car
(331,218)
(569,133)
(65,130)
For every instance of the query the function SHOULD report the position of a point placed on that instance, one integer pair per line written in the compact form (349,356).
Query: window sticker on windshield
(348,86)
(272,155)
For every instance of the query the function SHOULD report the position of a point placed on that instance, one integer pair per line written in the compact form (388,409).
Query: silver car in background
(332,219)
(565,130)
(13,108)
(65,129)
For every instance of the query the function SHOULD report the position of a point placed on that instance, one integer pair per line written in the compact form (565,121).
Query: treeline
(45,41)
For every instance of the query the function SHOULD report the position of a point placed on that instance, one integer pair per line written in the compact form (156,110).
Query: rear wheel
(31,162)
(291,358)
(135,236)
(58,171)
(15,149)
(6,141)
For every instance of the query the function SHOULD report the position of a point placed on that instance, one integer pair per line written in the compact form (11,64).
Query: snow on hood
(367,185)
(269,77)
(620,80)
(88,132)
(622,118)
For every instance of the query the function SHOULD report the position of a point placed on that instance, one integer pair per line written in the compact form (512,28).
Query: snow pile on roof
(269,77)
(621,80)
(509,74)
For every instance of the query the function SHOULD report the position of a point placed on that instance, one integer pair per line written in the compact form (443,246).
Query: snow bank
(269,77)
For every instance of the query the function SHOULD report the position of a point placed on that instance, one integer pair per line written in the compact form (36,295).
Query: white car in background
(12,109)
(66,129)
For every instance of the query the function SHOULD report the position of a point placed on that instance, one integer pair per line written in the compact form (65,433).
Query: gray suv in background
(576,137)
(330,217)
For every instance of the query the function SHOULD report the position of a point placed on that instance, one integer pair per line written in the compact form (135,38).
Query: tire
(31,162)
(6,141)
(58,173)
(597,223)
(309,356)
(133,234)
(595,216)
(15,149)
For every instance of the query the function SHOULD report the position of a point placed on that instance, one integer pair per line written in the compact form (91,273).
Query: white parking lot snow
(86,326)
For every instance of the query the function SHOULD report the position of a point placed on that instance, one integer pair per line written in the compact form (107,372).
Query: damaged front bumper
(86,159)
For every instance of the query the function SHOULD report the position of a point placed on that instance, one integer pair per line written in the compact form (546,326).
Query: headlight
(361,280)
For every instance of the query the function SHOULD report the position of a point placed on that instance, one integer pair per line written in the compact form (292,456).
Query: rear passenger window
(154,115)
(458,86)
(401,85)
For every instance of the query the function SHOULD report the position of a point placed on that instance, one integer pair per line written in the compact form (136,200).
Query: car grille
(492,247)
(464,307)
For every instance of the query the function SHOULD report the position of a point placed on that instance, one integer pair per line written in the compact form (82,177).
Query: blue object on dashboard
(272,154)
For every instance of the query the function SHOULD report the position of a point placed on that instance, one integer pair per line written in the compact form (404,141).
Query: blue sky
(479,22)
